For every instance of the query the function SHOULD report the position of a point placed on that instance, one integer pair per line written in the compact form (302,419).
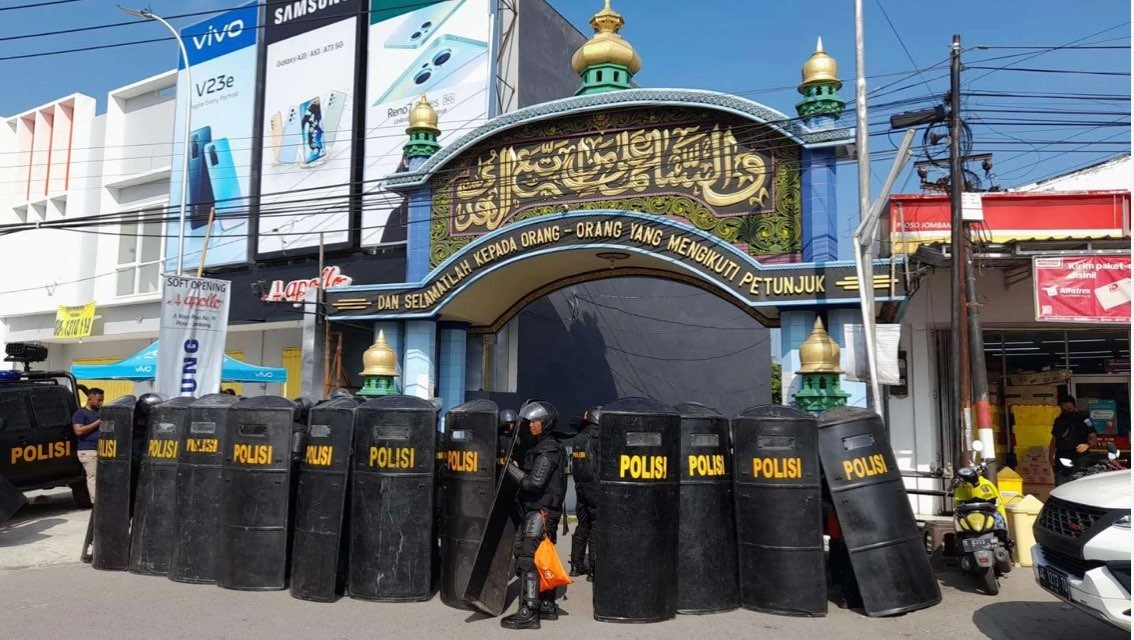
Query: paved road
(58,598)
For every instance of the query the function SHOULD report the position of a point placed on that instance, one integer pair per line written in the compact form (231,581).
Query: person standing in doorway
(585,458)
(85,423)
(1072,435)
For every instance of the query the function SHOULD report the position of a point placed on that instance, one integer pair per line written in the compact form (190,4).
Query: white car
(1083,538)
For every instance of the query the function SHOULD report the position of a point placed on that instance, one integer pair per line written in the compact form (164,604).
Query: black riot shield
(194,556)
(392,500)
(468,486)
(706,556)
(487,590)
(318,552)
(11,499)
(886,550)
(636,537)
(779,516)
(111,512)
(152,530)
(252,550)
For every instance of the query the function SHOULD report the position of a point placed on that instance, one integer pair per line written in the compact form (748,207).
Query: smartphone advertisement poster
(309,87)
(1088,289)
(222,58)
(439,49)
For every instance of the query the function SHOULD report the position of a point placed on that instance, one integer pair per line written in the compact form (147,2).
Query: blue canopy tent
(143,366)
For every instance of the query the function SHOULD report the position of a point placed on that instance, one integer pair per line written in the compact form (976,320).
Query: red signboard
(1090,289)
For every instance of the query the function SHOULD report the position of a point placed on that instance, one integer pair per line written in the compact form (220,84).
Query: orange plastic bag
(551,572)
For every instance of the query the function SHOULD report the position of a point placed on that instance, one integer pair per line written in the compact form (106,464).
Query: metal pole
(861,137)
(147,15)
(320,309)
(981,407)
(956,268)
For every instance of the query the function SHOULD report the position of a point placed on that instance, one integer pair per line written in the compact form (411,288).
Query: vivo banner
(222,62)
(194,325)
(440,49)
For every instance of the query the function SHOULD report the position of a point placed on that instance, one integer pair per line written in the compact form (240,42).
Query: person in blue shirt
(85,423)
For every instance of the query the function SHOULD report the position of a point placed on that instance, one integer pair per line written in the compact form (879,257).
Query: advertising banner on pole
(222,57)
(1087,289)
(437,48)
(310,81)
(194,326)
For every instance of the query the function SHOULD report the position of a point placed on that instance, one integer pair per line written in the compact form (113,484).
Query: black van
(38,446)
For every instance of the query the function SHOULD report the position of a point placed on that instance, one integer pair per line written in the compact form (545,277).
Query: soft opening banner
(74,322)
(194,326)
(1087,289)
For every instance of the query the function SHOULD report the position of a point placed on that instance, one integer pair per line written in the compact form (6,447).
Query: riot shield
(886,549)
(252,550)
(468,487)
(111,513)
(636,537)
(194,556)
(779,515)
(152,530)
(487,590)
(11,499)
(706,557)
(318,551)
(392,500)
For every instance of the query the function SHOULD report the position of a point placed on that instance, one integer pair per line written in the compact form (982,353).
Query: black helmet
(145,404)
(593,415)
(507,416)
(341,393)
(302,408)
(542,411)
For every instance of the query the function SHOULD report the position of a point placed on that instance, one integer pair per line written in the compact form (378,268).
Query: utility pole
(958,329)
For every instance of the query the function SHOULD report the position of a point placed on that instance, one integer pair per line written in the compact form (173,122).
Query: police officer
(142,409)
(541,480)
(1072,436)
(504,433)
(584,464)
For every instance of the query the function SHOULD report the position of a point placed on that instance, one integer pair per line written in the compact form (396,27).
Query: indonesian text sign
(194,325)
(1089,289)
(675,244)
(74,322)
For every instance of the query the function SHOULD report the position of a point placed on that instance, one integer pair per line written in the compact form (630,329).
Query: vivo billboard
(222,60)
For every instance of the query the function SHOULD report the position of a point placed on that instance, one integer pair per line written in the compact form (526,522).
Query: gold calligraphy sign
(709,164)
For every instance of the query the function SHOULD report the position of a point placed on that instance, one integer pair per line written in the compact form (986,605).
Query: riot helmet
(508,420)
(145,403)
(538,411)
(341,393)
(593,415)
(302,408)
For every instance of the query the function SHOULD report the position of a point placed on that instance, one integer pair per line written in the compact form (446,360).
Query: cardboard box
(1039,377)
(1036,394)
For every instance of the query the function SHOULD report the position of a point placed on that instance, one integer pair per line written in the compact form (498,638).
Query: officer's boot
(578,549)
(528,615)
(548,610)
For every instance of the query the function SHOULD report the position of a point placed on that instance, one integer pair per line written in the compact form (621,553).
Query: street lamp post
(145,14)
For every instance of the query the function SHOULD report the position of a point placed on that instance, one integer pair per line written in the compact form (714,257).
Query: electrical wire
(38,5)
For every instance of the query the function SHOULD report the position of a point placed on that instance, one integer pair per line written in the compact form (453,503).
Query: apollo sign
(295,290)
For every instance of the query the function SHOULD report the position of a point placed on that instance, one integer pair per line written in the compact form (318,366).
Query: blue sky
(740,46)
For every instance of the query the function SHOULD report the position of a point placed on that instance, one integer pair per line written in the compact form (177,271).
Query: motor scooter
(1090,464)
(982,541)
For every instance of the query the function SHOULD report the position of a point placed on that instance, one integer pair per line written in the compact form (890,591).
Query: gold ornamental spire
(606,46)
(819,353)
(380,359)
(422,116)
(821,67)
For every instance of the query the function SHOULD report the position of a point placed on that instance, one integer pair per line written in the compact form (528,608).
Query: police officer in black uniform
(541,480)
(138,439)
(584,465)
(504,434)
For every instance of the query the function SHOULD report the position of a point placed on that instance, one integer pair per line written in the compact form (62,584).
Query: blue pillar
(836,320)
(417,232)
(453,337)
(393,332)
(419,375)
(795,326)
(820,223)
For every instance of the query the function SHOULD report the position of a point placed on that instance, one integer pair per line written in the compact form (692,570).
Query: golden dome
(819,353)
(606,46)
(821,67)
(380,359)
(422,116)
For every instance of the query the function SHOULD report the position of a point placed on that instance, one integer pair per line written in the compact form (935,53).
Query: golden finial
(820,67)
(606,46)
(380,359)
(819,353)
(422,116)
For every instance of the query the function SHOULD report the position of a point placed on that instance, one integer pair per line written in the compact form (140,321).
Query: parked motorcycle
(1094,463)
(980,524)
